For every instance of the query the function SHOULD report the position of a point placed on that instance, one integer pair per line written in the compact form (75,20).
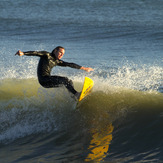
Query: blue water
(121,120)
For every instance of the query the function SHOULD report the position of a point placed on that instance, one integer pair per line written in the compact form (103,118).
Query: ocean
(121,120)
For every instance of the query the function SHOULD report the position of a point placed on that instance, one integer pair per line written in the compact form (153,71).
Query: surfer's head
(58,52)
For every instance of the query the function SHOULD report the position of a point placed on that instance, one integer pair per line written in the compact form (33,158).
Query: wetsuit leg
(56,81)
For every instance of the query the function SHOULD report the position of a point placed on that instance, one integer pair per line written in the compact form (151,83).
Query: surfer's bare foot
(77,95)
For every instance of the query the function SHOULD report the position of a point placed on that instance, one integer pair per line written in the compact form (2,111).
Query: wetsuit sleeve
(36,53)
(67,64)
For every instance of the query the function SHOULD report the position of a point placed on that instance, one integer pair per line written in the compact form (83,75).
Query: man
(47,62)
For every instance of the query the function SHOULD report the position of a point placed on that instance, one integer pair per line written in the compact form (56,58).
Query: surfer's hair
(57,48)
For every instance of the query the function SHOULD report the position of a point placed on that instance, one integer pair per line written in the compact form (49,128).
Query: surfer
(47,62)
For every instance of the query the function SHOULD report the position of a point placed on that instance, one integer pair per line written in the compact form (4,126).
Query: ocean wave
(30,109)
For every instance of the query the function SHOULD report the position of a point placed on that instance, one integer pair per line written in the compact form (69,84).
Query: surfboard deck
(87,87)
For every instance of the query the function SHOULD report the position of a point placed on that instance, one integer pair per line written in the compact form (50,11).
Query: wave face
(114,123)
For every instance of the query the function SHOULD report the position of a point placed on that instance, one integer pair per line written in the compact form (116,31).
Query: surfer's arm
(67,64)
(74,65)
(32,53)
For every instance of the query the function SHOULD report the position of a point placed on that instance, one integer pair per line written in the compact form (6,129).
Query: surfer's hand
(20,53)
(88,69)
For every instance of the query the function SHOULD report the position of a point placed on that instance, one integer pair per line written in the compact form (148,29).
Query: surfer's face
(59,54)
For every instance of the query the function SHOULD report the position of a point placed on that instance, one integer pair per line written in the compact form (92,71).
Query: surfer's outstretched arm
(32,53)
(74,65)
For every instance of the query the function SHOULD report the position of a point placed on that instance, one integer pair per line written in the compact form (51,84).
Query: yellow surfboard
(88,84)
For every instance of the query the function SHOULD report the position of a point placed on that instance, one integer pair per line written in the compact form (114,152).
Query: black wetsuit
(46,63)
